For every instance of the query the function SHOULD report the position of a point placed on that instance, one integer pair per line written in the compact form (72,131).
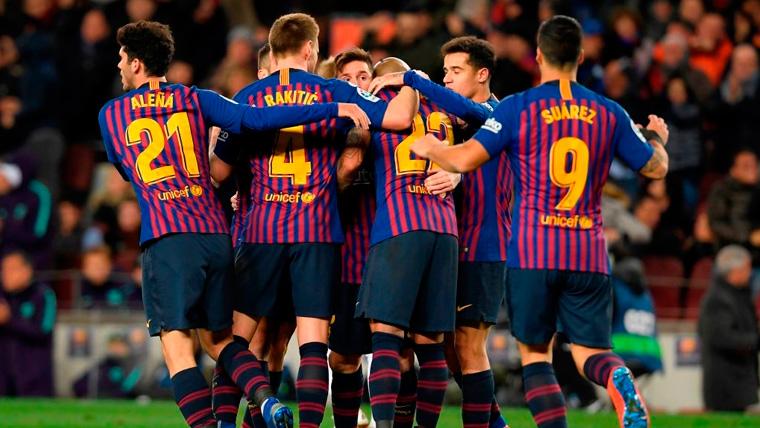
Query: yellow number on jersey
(289,157)
(403,155)
(575,179)
(178,125)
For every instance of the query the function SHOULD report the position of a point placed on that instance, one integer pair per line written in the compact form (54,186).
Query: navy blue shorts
(410,282)
(480,291)
(349,335)
(266,274)
(581,301)
(187,282)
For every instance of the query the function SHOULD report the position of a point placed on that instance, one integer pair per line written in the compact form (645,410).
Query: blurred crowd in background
(70,217)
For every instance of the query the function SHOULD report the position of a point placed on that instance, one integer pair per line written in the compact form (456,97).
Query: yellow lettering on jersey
(152,99)
(290,97)
(568,112)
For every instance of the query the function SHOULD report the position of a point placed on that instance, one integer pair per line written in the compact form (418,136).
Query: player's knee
(470,348)
(406,362)
(344,363)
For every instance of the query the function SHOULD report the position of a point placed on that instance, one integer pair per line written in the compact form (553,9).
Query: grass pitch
(49,413)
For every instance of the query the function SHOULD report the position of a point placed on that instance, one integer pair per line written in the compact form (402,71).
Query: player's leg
(406,403)
(314,272)
(191,392)
(250,303)
(480,292)
(172,290)
(259,346)
(531,301)
(434,314)
(585,312)
(386,297)
(226,394)
(349,340)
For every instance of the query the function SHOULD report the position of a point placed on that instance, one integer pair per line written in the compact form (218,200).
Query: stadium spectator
(67,243)
(634,329)
(683,115)
(241,54)
(738,111)
(671,56)
(417,39)
(27,317)
(729,200)
(86,65)
(99,290)
(25,211)
(729,333)
(116,375)
(710,48)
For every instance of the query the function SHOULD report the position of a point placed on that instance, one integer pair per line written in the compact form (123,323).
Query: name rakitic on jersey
(291,96)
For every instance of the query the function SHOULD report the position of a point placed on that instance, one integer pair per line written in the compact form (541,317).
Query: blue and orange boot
(629,404)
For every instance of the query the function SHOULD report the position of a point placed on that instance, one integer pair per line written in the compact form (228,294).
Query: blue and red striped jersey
(157,137)
(403,202)
(561,138)
(293,194)
(484,220)
(357,212)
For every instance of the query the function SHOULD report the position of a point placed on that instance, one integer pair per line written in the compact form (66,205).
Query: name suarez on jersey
(564,112)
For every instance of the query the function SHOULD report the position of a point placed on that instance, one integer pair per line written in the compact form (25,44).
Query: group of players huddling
(347,227)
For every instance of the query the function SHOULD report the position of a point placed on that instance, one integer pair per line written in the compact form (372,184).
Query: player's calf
(347,388)
(433,379)
(607,369)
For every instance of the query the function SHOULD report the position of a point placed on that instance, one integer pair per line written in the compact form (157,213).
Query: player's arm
(352,156)
(401,110)
(458,105)
(642,149)
(108,144)
(231,116)
(656,134)
(460,158)
(220,170)
(395,115)
(488,142)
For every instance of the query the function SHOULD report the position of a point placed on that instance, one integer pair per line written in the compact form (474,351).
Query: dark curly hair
(149,41)
(480,51)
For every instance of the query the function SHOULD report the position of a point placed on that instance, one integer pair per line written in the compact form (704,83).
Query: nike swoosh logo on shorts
(461,308)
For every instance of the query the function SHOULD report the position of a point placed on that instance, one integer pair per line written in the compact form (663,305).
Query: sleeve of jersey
(461,107)
(631,147)
(108,143)
(227,114)
(227,147)
(347,93)
(495,135)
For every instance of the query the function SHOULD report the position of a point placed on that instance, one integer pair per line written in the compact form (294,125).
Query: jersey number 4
(289,157)
(404,162)
(573,153)
(178,125)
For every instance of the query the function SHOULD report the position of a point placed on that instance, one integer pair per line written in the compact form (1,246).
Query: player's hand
(658,125)
(422,146)
(235,201)
(355,113)
(391,79)
(442,182)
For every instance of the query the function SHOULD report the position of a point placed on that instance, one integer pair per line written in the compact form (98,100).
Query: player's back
(357,212)
(403,202)
(159,136)
(563,147)
(294,191)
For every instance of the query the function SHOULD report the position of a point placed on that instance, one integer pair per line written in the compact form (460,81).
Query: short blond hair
(290,32)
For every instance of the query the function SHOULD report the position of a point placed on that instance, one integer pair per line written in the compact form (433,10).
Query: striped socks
(431,386)
(599,366)
(544,396)
(496,420)
(192,394)
(245,370)
(311,386)
(406,403)
(347,391)
(384,376)
(225,396)
(477,399)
